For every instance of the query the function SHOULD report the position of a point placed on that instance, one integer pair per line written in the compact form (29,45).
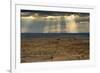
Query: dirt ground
(54,49)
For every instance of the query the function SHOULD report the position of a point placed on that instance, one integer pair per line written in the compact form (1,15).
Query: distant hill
(38,35)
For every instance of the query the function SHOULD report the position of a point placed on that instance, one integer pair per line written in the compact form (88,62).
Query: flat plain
(43,49)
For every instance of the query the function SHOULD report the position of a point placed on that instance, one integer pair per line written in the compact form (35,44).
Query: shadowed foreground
(54,49)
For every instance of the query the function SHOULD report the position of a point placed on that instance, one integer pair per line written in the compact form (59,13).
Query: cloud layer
(54,22)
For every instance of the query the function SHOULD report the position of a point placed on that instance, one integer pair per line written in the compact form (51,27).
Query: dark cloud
(50,13)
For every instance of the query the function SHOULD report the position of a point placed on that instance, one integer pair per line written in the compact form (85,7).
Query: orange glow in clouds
(71,25)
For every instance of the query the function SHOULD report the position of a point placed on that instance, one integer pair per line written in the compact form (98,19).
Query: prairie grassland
(54,49)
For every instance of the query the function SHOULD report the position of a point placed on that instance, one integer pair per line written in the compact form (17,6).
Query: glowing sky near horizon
(42,22)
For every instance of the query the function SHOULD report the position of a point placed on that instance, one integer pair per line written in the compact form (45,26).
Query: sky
(54,22)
